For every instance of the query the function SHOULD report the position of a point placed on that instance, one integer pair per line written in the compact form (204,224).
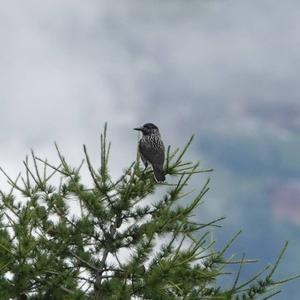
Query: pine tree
(122,244)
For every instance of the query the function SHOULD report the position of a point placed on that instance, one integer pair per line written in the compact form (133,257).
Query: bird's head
(148,128)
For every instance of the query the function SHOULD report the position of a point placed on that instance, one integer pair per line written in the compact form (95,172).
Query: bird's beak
(138,128)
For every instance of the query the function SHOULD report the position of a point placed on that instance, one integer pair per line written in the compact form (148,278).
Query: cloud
(225,70)
(208,67)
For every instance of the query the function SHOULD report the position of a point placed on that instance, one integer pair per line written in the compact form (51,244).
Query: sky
(226,71)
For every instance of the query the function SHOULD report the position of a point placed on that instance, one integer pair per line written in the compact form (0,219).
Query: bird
(152,150)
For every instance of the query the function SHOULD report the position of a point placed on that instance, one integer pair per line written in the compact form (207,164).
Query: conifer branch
(272,295)
(277,261)
(92,172)
(52,253)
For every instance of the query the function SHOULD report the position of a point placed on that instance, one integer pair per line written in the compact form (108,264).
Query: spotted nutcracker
(152,150)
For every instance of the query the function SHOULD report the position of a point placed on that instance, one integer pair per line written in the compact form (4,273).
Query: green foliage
(120,244)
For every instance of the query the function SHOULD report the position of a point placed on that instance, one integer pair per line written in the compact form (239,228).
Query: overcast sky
(224,70)
(67,66)
(213,68)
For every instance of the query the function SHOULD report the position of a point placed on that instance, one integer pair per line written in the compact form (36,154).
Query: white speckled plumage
(152,150)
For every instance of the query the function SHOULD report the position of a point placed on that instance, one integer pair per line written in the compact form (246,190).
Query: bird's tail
(159,173)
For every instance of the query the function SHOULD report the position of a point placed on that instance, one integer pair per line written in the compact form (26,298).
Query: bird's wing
(153,154)
(144,160)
